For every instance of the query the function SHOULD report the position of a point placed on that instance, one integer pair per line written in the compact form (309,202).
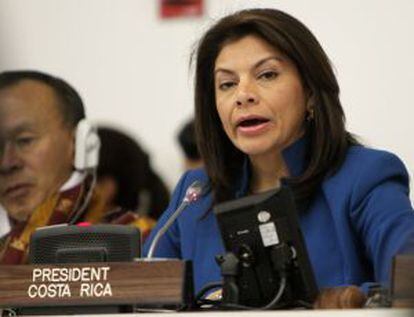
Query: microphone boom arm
(193,193)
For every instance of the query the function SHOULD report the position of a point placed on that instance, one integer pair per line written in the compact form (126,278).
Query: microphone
(193,193)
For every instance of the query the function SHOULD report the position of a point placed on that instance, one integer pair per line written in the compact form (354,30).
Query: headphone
(87,145)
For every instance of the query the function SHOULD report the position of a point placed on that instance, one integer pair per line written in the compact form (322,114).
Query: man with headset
(48,155)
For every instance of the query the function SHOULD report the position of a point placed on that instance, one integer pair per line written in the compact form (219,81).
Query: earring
(310,114)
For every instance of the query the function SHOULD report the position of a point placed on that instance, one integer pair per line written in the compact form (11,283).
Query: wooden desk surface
(389,312)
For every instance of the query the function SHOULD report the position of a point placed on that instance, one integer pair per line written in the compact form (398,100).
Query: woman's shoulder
(365,168)
(361,159)
(357,152)
(193,175)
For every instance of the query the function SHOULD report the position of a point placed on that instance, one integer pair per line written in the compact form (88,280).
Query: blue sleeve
(169,244)
(381,212)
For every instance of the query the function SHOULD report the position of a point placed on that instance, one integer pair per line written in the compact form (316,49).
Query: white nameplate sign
(56,282)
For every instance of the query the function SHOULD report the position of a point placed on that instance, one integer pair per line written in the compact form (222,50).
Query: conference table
(162,282)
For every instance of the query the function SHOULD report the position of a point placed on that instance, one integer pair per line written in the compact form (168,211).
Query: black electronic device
(82,244)
(86,243)
(268,264)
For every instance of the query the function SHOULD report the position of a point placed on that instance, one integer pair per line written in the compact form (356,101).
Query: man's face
(36,147)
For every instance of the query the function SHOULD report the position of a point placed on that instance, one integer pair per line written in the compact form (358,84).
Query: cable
(270,305)
(304,304)
(273,302)
(206,288)
(85,203)
(278,295)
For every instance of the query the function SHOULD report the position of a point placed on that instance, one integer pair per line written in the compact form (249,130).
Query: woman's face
(259,96)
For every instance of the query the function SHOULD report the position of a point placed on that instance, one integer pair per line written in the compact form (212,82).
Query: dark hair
(187,140)
(329,140)
(126,162)
(69,101)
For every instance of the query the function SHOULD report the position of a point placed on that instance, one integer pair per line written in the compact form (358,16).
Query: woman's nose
(246,95)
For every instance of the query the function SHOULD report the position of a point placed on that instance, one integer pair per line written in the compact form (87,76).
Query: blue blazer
(359,219)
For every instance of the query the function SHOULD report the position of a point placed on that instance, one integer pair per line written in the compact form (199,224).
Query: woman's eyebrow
(223,70)
(266,59)
(256,65)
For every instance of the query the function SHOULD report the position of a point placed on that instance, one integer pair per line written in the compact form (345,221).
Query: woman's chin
(256,151)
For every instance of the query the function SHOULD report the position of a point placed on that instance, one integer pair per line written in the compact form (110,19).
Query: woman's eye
(268,75)
(23,141)
(226,85)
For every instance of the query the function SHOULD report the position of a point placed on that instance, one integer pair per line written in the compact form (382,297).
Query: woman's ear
(310,106)
(310,99)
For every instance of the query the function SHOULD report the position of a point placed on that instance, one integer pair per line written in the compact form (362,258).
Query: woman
(267,109)
(127,185)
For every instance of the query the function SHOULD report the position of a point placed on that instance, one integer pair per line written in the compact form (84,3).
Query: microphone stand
(193,193)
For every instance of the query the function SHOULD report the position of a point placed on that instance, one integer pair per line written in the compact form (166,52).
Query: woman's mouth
(253,126)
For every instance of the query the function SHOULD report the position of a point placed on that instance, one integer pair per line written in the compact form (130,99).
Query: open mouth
(252,122)
(253,125)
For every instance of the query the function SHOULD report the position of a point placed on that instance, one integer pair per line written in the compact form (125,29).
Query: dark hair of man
(69,102)
(329,140)
(187,140)
(126,162)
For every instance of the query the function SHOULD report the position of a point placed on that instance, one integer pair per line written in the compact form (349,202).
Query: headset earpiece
(87,146)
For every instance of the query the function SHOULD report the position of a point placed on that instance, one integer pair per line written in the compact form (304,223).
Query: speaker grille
(66,244)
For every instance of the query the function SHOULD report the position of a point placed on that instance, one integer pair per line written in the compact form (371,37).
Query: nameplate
(402,286)
(164,282)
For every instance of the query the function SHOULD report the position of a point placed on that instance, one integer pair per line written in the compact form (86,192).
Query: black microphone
(193,193)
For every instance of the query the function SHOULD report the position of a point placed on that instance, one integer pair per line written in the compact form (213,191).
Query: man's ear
(87,145)
(73,145)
